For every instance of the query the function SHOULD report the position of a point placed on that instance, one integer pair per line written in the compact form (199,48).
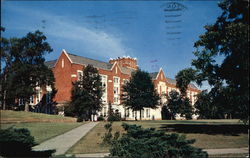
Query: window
(142,113)
(127,112)
(134,114)
(116,99)
(116,89)
(79,75)
(147,113)
(62,63)
(116,80)
(32,99)
(104,86)
(21,102)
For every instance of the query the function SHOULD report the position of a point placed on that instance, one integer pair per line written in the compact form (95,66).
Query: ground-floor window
(142,113)
(147,113)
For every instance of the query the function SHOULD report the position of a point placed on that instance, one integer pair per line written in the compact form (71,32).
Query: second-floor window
(116,90)
(104,86)
(79,75)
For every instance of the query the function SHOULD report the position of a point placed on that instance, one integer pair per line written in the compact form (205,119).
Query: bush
(114,117)
(69,111)
(149,143)
(79,119)
(100,118)
(19,143)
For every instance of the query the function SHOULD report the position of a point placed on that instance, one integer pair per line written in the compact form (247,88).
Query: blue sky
(107,29)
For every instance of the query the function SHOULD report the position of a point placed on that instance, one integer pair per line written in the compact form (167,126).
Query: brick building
(68,68)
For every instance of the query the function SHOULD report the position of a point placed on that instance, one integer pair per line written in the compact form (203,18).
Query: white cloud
(83,37)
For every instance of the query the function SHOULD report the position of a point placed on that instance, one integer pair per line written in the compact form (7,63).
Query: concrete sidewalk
(209,151)
(63,142)
(226,151)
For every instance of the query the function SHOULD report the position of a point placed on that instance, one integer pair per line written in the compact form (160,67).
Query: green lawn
(9,116)
(91,143)
(44,131)
(41,126)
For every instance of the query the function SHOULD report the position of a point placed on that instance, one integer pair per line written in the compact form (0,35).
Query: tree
(179,105)
(228,39)
(86,95)
(149,143)
(140,92)
(18,143)
(184,78)
(24,67)
(204,106)
(174,102)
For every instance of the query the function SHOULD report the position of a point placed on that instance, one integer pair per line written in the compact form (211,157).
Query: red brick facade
(68,66)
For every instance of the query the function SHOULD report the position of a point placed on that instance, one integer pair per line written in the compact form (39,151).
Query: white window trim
(118,86)
(78,77)
(106,88)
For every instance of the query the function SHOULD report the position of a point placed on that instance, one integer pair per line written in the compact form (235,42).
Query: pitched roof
(87,61)
(153,75)
(50,64)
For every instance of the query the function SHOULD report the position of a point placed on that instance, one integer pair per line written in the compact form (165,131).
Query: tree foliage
(140,92)
(179,105)
(24,68)
(222,59)
(86,96)
(150,143)
(19,143)
(184,78)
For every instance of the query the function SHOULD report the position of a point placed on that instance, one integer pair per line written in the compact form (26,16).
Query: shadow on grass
(234,130)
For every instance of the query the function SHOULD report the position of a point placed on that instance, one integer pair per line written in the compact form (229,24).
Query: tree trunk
(26,107)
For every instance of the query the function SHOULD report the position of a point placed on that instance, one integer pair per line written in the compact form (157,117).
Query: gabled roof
(87,61)
(50,64)
(153,75)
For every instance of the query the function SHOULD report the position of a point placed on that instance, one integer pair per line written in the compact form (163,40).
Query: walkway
(63,142)
(209,151)
(226,151)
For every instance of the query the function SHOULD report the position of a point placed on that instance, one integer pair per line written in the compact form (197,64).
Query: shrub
(150,143)
(19,143)
(100,118)
(114,117)
(107,139)
(79,119)
(69,111)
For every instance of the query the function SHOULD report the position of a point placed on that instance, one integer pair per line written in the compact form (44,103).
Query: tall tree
(140,92)
(87,93)
(183,79)
(25,68)
(228,39)
(174,103)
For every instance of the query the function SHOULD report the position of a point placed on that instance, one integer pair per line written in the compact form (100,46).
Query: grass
(41,126)
(44,131)
(91,143)
(8,116)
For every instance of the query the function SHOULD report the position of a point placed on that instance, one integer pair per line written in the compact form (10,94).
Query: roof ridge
(89,58)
